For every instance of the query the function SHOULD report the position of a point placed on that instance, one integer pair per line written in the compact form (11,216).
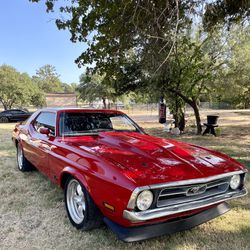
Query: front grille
(187,193)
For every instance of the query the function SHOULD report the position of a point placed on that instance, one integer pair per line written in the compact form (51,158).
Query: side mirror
(44,131)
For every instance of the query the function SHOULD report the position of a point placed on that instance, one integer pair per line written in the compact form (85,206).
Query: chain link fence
(138,108)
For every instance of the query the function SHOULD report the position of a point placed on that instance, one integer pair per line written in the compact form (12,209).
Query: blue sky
(30,39)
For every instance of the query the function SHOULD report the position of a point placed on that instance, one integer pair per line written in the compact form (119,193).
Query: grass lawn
(32,214)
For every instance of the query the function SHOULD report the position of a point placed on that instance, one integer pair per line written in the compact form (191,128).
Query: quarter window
(46,120)
(121,123)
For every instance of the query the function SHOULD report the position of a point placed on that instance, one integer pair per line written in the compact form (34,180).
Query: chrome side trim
(165,211)
(132,200)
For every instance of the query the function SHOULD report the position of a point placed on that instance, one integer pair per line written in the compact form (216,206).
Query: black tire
(4,120)
(22,163)
(92,217)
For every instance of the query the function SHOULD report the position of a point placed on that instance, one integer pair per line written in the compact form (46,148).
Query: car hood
(150,160)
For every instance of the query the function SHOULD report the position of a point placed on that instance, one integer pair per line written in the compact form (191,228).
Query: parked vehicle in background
(110,170)
(14,115)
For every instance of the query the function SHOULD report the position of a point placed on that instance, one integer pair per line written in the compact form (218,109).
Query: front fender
(102,191)
(70,171)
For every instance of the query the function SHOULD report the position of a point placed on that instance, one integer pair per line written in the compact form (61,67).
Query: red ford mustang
(110,170)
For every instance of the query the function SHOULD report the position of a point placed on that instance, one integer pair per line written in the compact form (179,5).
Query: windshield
(83,123)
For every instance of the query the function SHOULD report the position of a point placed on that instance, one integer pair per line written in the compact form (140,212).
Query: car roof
(13,110)
(59,110)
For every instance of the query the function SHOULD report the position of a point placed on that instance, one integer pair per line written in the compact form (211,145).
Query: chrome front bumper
(170,210)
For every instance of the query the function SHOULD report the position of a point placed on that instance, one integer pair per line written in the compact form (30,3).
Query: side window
(20,112)
(17,112)
(46,120)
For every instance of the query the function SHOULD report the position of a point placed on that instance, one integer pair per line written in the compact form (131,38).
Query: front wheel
(81,210)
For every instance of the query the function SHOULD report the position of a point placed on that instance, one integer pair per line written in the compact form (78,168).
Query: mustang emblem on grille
(196,190)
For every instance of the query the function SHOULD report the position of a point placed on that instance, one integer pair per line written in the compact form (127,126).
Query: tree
(226,11)
(48,80)
(73,86)
(233,80)
(67,88)
(152,31)
(91,88)
(15,88)
(111,28)
(191,67)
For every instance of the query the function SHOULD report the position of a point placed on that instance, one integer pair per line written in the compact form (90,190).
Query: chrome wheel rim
(19,157)
(75,201)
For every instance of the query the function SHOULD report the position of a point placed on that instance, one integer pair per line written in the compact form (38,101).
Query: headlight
(144,200)
(235,181)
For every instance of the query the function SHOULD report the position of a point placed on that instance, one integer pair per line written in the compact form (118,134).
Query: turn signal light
(108,206)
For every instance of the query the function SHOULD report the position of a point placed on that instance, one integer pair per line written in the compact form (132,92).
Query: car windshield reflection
(80,123)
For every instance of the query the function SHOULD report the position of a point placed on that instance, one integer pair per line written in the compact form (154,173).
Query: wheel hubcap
(75,201)
(19,157)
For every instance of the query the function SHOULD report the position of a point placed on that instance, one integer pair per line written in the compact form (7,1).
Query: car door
(15,115)
(21,115)
(41,144)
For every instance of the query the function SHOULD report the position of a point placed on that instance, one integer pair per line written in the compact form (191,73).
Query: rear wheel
(4,120)
(81,210)
(22,163)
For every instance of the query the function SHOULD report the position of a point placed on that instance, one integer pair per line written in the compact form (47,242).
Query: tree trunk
(197,116)
(10,105)
(179,117)
(104,102)
(4,105)
(182,122)
(194,104)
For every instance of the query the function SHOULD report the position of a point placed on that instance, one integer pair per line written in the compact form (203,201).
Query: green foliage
(48,80)
(112,28)
(68,88)
(92,88)
(238,74)
(37,98)
(232,82)
(226,11)
(16,88)
(152,46)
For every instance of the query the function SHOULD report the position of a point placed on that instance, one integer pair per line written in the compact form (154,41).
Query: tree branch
(185,98)
(175,37)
